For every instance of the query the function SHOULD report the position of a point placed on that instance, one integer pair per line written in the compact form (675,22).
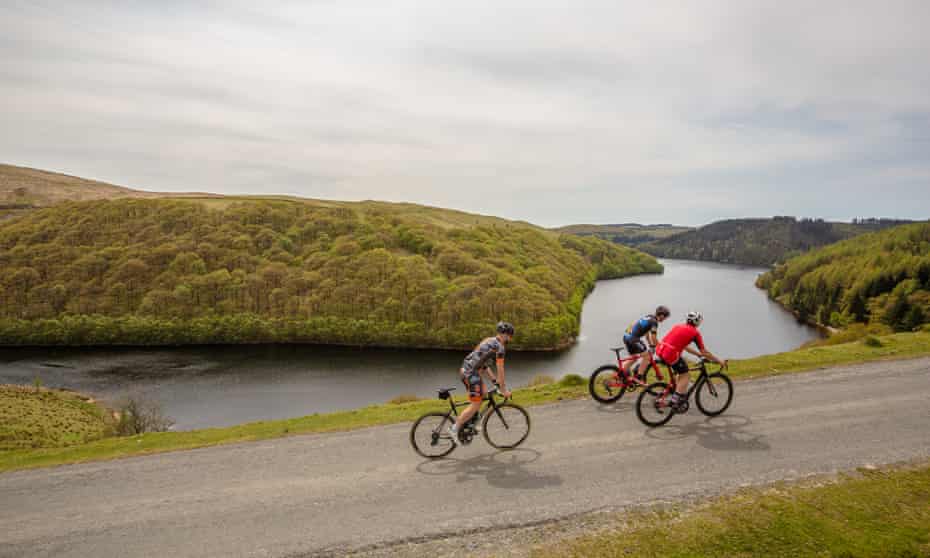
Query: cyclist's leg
(682,376)
(475,387)
(634,348)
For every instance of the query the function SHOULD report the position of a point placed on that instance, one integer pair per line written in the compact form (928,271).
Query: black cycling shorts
(680,366)
(474,384)
(635,347)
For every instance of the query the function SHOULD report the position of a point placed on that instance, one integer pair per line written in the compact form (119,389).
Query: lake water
(217,386)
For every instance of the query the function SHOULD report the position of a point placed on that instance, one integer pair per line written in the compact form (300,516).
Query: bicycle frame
(652,364)
(489,403)
(673,383)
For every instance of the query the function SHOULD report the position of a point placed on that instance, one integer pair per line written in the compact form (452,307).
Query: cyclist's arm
(501,376)
(710,356)
(653,339)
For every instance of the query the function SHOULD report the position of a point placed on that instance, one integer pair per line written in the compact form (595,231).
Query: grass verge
(897,346)
(34,417)
(869,513)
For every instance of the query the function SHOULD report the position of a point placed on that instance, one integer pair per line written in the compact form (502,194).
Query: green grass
(880,513)
(902,345)
(33,418)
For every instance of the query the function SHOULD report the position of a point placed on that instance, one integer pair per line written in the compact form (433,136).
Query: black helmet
(505,327)
(663,311)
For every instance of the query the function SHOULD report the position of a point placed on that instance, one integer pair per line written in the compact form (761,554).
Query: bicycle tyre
(510,417)
(703,388)
(646,405)
(594,380)
(423,447)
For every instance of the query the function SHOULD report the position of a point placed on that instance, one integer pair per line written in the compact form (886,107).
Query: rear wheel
(606,385)
(652,406)
(429,435)
(507,426)
(714,394)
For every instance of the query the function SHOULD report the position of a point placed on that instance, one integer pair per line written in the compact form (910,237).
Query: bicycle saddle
(444,392)
(615,349)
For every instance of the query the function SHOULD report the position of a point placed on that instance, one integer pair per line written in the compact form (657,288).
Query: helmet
(695,318)
(663,311)
(505,327)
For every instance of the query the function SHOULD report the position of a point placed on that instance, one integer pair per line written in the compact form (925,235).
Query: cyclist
(677,341)
(476,364)
(647,326)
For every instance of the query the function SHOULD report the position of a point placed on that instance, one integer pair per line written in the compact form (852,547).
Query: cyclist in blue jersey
(477,364)
(647,327)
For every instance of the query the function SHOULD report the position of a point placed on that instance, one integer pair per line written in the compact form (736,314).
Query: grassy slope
(871,513)
(40,418)
(897,346)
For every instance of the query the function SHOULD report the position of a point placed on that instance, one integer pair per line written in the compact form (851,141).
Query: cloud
(609,112)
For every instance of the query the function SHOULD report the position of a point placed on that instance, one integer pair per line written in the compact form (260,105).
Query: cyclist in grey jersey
(476,364)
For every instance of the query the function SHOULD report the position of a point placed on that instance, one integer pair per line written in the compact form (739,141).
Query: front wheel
(714,394)
(429,436)
(606,385)
(506,426)
(652,406)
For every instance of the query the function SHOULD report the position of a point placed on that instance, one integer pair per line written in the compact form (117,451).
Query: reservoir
(223,385)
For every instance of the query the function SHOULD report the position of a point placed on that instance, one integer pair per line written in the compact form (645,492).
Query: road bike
(713,395)
(608,383)
(505,425)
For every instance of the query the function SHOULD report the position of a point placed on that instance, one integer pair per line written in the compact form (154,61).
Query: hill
(761,242)
(248,270)
(879,277)
(628,234)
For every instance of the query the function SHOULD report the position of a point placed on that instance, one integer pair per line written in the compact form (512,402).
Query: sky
(550,112)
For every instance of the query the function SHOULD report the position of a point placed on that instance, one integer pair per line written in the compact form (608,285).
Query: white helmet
(695,318)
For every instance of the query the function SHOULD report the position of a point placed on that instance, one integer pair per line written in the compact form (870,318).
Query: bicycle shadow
(723,433)
(502,469)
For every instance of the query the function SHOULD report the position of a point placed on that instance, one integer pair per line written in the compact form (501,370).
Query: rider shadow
(502,469)
(723,433)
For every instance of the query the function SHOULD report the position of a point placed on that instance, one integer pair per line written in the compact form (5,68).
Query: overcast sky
(556,113)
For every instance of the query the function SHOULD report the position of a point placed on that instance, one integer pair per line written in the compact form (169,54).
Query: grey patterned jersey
(487,350)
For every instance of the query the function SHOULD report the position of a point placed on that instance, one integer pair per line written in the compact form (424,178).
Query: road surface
(326,494)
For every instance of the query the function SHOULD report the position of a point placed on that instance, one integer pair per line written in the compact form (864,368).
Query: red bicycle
(609,382)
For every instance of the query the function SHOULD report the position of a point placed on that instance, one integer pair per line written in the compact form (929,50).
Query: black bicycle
(505,425)
(714,393)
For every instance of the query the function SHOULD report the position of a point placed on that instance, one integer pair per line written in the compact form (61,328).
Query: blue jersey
(642,326)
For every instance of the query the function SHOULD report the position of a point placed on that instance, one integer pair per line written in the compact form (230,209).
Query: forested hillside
(165,271)
(628,234)
(760,242)
(884,277)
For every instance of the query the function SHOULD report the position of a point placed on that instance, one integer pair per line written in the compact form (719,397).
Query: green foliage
(628,234)
(155,272)
(871,341)
(882,277)
(759,242)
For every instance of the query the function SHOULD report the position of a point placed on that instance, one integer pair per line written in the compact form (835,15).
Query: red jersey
(676,340)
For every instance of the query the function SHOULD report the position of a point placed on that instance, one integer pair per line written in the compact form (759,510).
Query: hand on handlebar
(502,390)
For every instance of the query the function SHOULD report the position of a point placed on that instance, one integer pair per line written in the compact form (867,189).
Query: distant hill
(257,269)
(879,277)
(23,189)
(761,242)
(629,234)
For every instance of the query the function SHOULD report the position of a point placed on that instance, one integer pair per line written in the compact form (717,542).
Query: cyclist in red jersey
(675,343)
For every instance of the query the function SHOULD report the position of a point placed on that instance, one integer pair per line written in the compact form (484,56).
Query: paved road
(317,494)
